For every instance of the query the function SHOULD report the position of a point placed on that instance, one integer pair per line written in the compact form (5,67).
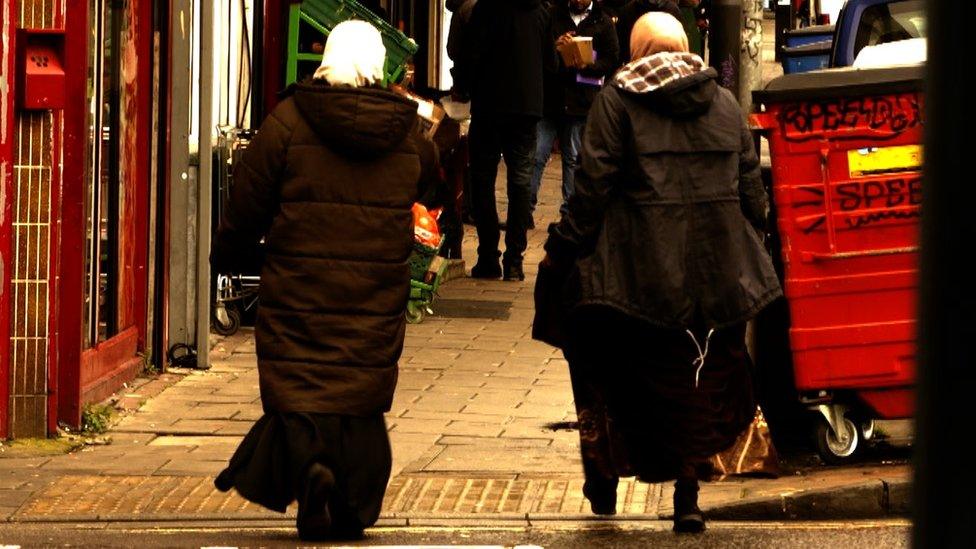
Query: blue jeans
(570,130)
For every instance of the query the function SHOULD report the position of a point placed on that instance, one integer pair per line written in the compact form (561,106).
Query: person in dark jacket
(633,10)
(328,183)
(663,265)
(511,49)
(570,91)
(458,40)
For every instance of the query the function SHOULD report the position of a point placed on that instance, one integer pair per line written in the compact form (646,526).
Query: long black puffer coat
(329,181)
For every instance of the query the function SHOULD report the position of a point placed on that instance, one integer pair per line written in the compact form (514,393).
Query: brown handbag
(752,454)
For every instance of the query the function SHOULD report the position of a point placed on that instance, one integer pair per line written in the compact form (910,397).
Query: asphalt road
(873,534)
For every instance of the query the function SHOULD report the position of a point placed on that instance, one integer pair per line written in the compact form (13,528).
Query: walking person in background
(329,183)
(659,264)
(510,51)
(570,91)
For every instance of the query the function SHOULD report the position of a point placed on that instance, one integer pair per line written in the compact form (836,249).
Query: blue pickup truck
(861,23)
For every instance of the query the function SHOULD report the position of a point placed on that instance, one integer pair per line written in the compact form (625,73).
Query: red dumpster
(846,152)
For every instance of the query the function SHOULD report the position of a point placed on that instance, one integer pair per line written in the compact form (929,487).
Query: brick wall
(35,167)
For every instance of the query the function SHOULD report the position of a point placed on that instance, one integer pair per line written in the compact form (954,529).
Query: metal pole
(784,23)
(179,291)
(752,52)
(205,184)
(725,24)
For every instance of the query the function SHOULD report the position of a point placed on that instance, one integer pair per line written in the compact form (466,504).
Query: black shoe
(602,496)
(314,521)
(514,272)
(688,518)
(488,270)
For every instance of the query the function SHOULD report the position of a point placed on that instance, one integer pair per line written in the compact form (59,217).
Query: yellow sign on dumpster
(881,160)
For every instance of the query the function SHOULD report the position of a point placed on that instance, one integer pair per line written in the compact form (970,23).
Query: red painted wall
(7,35)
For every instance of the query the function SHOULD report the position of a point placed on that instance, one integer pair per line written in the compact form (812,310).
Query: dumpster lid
(815,48)
(816,29)
(844,82)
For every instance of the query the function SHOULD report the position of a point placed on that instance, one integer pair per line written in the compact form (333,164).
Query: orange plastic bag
(425,228)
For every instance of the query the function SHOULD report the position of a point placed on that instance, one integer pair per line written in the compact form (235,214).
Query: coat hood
(356,122)
(677,83)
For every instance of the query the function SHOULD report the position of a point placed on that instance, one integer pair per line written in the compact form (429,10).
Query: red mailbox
(40,69)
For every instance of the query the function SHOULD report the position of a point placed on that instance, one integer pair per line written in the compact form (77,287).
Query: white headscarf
(354,55)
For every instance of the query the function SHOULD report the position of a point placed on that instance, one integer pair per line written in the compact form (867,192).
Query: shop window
(102,196)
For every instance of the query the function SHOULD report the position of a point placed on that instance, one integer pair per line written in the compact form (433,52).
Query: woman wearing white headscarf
(664,265)
(328,183)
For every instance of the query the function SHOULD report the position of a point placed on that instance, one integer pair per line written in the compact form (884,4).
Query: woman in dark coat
(664,265)
(328,182)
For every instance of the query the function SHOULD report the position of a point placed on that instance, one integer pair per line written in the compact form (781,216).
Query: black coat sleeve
(471,48)
(603,150)
(254,197)
(752,195)
(550,58)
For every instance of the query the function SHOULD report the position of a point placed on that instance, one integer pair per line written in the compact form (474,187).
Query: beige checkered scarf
(656,71)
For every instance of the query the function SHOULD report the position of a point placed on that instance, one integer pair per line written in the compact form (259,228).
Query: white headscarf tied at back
(354,55)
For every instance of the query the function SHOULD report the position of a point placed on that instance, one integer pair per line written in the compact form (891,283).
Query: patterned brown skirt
(652,401)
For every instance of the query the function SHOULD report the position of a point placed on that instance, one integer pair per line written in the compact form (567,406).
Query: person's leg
(545,136)
(688,517)
(366,463)
(570,136)
(485,150)
(585,350)
(519,149)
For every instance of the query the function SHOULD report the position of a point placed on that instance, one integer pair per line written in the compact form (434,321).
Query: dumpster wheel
(226,320)
(837,448)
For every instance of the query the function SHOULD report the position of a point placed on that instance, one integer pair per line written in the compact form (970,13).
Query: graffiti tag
(890,194)
(875,117)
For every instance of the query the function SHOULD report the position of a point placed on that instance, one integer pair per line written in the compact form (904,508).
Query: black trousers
(491,138)
(269,466)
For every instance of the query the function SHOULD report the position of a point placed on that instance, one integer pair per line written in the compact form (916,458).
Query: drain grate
(444,495)
(116,496)
(126,497)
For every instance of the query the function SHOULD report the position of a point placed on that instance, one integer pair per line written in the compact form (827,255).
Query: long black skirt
(641,410)
(269,466)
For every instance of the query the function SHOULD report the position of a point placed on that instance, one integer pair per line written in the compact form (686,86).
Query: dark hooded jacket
(511,49)
(329,182)
(665,221)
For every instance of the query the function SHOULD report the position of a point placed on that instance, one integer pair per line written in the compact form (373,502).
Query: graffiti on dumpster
(894,195)
(875,117)
(865,203)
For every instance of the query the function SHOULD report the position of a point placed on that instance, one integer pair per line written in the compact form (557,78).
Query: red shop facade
(76,160)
